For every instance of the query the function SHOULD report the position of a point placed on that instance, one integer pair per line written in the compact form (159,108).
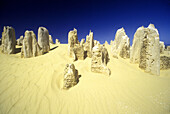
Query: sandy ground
(33,86)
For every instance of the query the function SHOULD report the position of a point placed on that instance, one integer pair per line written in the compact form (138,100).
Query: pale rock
(20,41)
(162,47)
(168,48)
(30,47)
(111,42)
(51,39)
(146,50)
(71,77)
(8,40)
(82,42)
(96,42)
(78,52)
(164,62)
(89,44)
(121,45)
(106,43)
(43,39)
(99,60)
(72,41)
(57,41)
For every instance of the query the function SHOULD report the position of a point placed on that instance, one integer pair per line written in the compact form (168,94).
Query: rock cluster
(51,39)
(99,60)
(43,39)
(20,41)
(162,47)
(8,40)
(89,44)
(121,44)
(164,62)
(75,50)
(168,48)
(30,47)
(71,76)
(146,50)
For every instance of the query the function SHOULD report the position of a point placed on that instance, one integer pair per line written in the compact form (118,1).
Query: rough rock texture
(51,39)
(30,47)
(89,44)
(146,50)
(121,45)
(57,41)
(20,41)
(162,47)
(99,60)
(164,62)
(168,48)
(8,40)
(111,42)
(43,39)
(82,42)
(106,43)
(75,50)
(0,41)
(96,42)
(72,41)
(71,77)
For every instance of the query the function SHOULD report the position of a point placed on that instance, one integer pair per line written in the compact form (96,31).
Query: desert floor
(34,86)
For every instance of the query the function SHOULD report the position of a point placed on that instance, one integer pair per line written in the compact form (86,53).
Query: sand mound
(33,86)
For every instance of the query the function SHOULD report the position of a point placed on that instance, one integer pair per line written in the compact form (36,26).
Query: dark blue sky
(103,17)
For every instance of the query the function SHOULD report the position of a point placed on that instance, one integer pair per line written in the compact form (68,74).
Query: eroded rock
(164,62)
(121,45)
(162,47)
(99,60)
(43,39)
(8,40)
(20,40)
(146,50)
(71,77)
(51,39)
(57,41)
(30,47)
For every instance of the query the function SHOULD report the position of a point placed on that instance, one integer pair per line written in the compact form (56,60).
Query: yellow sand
(33,86)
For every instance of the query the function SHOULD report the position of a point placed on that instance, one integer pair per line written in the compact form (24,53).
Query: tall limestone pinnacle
(43,39)
(8,40)
(146,49)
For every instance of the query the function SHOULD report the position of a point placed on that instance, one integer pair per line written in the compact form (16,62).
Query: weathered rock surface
(106,43)
(168,48)
(89,44)
(8,40)
(99,60)
(96,42)
(20,41)
(57,41)
(164,62)
(51,39)
(121,44)
(30,47)
(146,50)
(162,47)
(82,42)
(43,39)
(75,50)
(71,77)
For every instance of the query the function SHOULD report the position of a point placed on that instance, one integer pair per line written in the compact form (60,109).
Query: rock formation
(106,43)
(75,50)
(96,42)
(8,40)
(43,39)
(99,60)
(146,50)
(162,47)
(20,41)
(51,39)
(164,62)
(168,48)
(89,44)
(71,76)
(111,42)
(57,41)
(30,47)
(82,42)
(121,45)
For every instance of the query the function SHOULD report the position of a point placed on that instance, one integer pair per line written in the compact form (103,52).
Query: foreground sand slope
(33,86)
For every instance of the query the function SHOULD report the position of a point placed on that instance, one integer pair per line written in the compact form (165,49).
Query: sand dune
(34,86)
